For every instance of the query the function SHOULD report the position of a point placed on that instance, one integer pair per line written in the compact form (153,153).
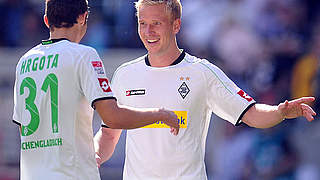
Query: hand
(98,160)
(172,121)
(296,108)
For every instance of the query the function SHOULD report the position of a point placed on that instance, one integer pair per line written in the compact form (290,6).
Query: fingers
(308,112)
(98,160)
(174,131)
(303,100)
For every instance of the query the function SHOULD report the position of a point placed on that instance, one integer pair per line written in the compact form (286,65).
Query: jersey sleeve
(16,115)
(93,81)
(115,85)
(225,98)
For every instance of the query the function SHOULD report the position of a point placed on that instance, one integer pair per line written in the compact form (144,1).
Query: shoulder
(201,64)
(134,64)
(83,49)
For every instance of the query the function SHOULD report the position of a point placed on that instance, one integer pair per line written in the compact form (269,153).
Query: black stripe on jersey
(99,99)
(16,122)
(177,61)
(51,41)
(239,122)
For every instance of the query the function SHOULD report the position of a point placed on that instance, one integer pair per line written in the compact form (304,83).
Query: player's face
(156,29)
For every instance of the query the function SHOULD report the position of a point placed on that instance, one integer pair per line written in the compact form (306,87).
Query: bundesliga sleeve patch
(245,95)
(97,65)
(104,83)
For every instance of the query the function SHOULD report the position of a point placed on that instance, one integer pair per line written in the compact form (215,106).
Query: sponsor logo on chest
(182,118)
(135,92)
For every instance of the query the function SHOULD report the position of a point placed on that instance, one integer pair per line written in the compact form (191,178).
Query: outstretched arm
(105,142)
(124,117)
(265,116)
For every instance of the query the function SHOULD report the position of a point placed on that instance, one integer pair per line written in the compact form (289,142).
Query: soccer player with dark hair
(58,85)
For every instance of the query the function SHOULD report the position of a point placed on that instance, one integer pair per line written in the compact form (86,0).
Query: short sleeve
(225,98)
(115,84)
(93,81)
(16,116)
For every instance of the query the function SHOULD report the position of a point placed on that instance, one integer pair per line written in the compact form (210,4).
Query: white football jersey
(193,88)
(56,84)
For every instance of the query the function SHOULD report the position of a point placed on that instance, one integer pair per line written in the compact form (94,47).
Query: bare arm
(123,117)
(265,116)
(105,142)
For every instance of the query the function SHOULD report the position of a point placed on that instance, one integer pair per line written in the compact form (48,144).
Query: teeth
(152,41)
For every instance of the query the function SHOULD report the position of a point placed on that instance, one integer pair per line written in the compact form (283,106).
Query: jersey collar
(51,41)
(177,61)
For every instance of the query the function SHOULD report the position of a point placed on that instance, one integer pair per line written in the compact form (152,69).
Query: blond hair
(172,6)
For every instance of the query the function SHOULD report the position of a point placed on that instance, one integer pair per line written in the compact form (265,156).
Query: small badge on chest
(184,89)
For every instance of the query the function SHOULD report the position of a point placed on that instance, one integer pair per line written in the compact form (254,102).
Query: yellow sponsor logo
(182,117)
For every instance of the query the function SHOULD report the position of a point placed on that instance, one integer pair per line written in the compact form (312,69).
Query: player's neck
(164,59)
(69,33)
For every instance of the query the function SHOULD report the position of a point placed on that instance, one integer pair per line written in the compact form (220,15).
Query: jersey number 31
(50,81)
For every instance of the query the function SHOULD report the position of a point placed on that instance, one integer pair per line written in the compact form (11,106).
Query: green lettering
(45,144)
(59,141)
(23,66)
(32,144)
(48,143)
(27,145)
(55,61)
(52,142)
(35,64)
(41,143)
(49,59)
(37,144)
(28,65)
(42,61)
(22,146)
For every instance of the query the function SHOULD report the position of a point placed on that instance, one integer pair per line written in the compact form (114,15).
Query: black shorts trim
(16,122)
(99,99)
(239,122)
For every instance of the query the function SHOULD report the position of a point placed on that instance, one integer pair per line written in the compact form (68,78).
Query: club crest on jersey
(97,65)
(183,90)
(135,92)
(104,83)
(245,95)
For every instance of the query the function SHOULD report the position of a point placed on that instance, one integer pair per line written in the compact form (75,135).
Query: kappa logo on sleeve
(245,95)
(98,67)
(104,83)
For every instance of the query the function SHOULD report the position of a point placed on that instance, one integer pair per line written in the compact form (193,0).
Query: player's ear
(45,20)
(176,25)
(82,18)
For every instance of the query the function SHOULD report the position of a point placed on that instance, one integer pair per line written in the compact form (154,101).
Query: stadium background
(258,43)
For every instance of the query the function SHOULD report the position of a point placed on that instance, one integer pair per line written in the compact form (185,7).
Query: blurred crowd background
(270,48)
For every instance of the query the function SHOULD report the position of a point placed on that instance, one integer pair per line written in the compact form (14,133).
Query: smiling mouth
(152,40)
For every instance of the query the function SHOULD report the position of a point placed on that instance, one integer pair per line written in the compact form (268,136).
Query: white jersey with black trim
(193,88)
(56,83)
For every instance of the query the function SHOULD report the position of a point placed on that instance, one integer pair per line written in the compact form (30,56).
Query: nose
(149,29)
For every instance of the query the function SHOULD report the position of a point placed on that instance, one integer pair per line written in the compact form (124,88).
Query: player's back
(53,107)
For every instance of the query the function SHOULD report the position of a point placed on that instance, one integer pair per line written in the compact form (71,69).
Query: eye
(157,23)
(142,23)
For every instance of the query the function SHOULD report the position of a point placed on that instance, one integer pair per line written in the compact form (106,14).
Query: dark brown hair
(64,13)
